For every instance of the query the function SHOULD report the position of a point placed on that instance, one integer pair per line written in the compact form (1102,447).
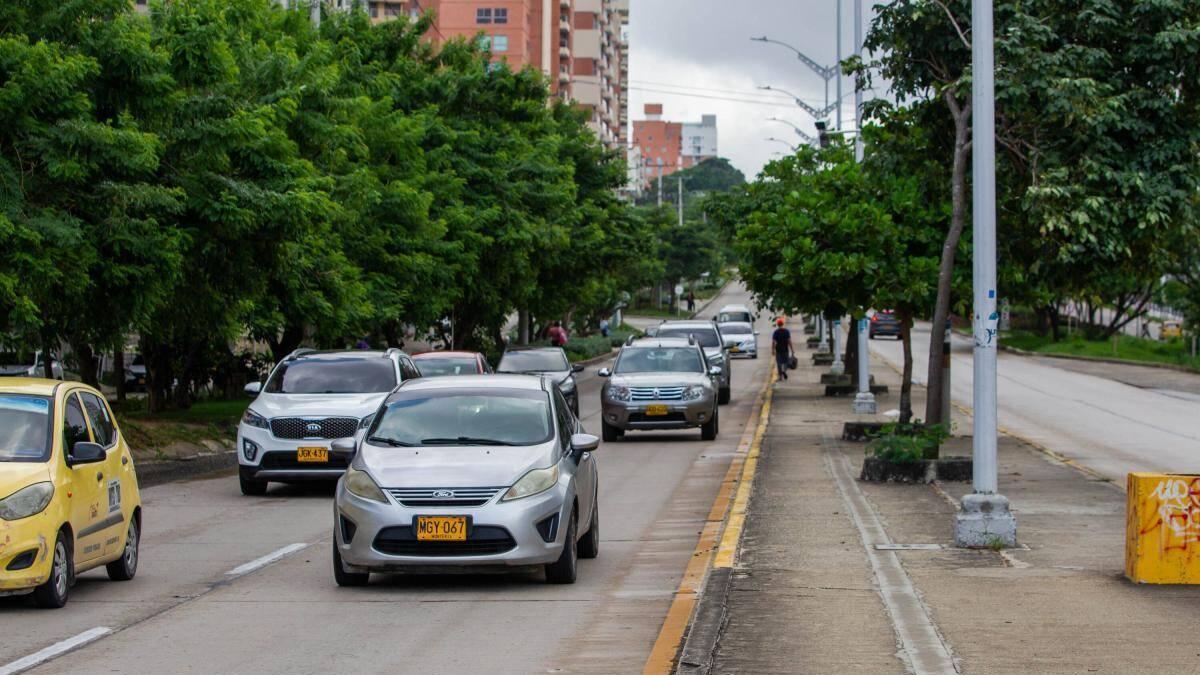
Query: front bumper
(34,534)
(519,519)
(274,459)
(680,414)
(747,351)
(892,330)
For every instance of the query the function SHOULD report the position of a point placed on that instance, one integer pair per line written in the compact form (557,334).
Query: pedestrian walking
(604,327)
(691,300)
(362,343)
(558,334)
(782,347)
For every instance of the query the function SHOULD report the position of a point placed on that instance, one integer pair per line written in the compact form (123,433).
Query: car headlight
(693,392)
(253,419)
(567,386)
(360,483)
(619,392)
(28,501)
(366,421)
(749,344)
(532,483)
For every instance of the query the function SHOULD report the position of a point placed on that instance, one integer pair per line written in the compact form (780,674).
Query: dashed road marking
(259,563)
(55,650)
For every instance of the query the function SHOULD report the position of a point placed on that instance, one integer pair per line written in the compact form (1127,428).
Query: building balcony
(564,52)
(564,26)
(564,4)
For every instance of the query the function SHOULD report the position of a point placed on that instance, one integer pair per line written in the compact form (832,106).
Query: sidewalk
(817,586)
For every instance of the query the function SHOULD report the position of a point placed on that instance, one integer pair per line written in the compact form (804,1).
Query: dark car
(444,363)
(884,322)
(549,361)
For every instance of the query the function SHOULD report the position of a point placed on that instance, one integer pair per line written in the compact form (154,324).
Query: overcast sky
(703,48)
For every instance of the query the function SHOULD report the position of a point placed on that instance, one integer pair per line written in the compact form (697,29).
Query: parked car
(468,471)
(740,338)
(28,364)
(734,313)
(660,383)
(437,364)
(1171,329)
(709,337)
(884,322)
(135,373)
(69,498)
(549,361)
(311,399)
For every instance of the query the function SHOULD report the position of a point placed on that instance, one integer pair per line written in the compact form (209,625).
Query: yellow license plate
(735,349)
(312,454)
(441,528)
(656,410)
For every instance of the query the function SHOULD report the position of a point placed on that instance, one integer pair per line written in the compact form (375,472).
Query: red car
(436,364)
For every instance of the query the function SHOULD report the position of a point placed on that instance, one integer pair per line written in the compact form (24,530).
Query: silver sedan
(468,472)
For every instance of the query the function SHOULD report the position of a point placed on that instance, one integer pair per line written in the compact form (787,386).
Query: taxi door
(118,485)
(84,484)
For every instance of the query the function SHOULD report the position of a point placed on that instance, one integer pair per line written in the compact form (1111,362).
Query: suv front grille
(482,540)
(438,496)
(296,428)
(656,393)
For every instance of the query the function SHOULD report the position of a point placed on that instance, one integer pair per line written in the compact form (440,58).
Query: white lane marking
(263,561)
(924,649)
(55,650)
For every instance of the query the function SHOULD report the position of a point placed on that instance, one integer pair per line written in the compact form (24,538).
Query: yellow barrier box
(1162,528)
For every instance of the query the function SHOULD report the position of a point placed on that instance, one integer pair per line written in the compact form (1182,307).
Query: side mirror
(714,318)
(344,448)
(84,452)
(253,388)
(584,443)
(756,332)
(577,367)
(604,372)
(715,371)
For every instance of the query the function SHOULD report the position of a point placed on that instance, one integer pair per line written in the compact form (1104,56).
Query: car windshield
(736,329)
(447,365)
(464,417)
(724,317)
(337,375)
(24,428)
(533,361)
(707,337)
(659,360)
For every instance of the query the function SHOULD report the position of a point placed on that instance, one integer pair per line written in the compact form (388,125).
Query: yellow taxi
(69,497)
(1171,329)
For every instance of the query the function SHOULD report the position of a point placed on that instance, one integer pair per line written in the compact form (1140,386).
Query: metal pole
(864,400)
(838,64)
(858,97)
(839,366)
(314,12)
(985,518)
(822,334)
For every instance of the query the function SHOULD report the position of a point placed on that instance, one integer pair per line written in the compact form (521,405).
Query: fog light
(548,528)
(23,561)
(249,450)
(348,530)
(701,416)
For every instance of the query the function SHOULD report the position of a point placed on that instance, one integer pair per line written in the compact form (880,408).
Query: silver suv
(660,383)
(708,336)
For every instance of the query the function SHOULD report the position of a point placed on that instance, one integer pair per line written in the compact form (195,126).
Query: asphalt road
(186,612)
(1091,413)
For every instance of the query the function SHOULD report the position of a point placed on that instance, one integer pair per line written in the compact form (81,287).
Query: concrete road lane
(1107,425)
(184,614)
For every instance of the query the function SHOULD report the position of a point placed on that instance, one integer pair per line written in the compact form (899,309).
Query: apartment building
(666,147)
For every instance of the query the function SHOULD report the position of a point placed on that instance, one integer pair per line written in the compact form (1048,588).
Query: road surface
(185,612)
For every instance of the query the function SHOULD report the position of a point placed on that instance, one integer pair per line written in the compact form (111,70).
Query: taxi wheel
(610,433)
(708,431)
(53,593)
(589,546)
(125,567)
(253,488)
(562,571)
(344,578)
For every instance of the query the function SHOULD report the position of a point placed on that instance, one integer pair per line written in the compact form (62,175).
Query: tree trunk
(1053,312)
(119,371)
(850,358)
(906,323)
(522,327)
(88,363)
(958,218)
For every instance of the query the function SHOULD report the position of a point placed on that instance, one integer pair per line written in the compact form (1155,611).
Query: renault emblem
(656,393)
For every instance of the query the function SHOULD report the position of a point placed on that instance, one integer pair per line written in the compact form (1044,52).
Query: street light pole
(864,400)
(314,12)
(838,62)
(985,518)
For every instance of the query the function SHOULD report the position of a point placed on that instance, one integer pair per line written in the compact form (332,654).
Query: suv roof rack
(629,340)
(300,352)
(393,351)
(692,339)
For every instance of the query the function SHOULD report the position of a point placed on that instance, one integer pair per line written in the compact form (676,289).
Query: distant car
(734,313)
(884,322)
(660,383)
(709,337)
(1171,329)
(439,364)
(490,472)
(69,498)
(740,338)
(28,364)
(311,399)
(549,361)
(135,374)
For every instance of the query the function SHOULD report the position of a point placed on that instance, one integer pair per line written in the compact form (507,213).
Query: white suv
(311,399)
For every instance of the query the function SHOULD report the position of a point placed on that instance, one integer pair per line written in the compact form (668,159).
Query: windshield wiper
(389,441)
(464,440)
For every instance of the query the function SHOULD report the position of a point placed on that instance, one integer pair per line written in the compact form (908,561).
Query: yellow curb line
(666,647)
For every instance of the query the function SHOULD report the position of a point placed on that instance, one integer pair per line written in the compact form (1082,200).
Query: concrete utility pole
(864,400)
(985,518)
(838,64)
(838,367)
(823,346)
(314,12)
(681,201)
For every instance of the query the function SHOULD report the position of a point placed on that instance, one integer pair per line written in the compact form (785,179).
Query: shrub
(907,443)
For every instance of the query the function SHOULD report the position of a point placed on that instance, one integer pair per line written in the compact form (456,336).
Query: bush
(907,443)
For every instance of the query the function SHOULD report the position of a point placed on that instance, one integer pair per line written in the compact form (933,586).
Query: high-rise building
(666,147)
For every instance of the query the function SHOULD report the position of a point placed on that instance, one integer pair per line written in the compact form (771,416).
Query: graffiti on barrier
(1173,512)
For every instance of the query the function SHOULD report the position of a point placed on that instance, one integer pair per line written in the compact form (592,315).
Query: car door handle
(124,461)
(99,476)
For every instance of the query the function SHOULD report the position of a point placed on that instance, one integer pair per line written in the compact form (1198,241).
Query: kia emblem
(313,428)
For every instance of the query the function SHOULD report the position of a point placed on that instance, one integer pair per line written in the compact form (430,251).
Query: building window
(374,10)
(500,15)
(485,42)
(500,43)
(484,15)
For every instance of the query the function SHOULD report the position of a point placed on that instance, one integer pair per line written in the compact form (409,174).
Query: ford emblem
(443,494)
(313,428)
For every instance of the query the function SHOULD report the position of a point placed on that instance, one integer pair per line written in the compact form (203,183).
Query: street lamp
(799,132)
(780,140)
(818,114)
(826,73)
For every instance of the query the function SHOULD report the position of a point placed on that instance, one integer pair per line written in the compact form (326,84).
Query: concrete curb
(1099,359)
(707,623)
(157,473)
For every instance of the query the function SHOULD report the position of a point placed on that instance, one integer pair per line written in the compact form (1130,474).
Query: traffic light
(822,133)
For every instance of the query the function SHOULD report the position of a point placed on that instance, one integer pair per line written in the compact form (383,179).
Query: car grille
(656,393)
(482,540)
(430,496)
(287,460)
(296,428)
